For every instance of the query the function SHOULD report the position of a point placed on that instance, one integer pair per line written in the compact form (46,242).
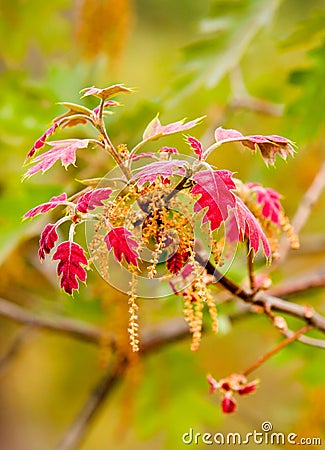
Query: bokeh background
(254,65)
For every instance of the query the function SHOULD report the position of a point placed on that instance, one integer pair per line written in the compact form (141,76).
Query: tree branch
(70,327)
(300,285)
(267,301)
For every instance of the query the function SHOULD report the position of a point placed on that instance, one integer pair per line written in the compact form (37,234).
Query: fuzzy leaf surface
(106,93)
(93,198)
(45,207)
(214,188)
(269,200)
(41,141)
(72,260)
(243,224)
(163,168)
(64,150)
(120,240)
(47,240)
(269,146)
(196,146)
(155,129)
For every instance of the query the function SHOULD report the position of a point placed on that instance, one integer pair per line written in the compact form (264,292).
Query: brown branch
(267,301)
(298,286)
(70,327)
(313,342)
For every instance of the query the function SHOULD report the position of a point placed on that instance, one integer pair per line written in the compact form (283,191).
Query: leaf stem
(108,143)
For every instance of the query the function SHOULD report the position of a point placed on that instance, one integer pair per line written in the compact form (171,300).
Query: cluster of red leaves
(228,387)
(214,191)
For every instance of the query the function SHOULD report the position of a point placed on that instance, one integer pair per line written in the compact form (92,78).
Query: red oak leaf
(71,261)
(244,224)
(41,141)
(48,239)
(64,150)
(269,200)
(45,207)
(120,240)
(93,198)
(155,130)
(162,168)
(214,186)
(106,92)
(269,146)
(196,145)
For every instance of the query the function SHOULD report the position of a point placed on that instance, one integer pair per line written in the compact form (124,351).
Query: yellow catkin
(290,232)
(212,311)
(133,327)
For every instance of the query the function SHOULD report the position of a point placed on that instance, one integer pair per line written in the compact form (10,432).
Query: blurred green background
(254,65)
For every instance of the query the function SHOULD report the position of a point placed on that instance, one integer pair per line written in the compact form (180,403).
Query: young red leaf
(248,388)
(71,261)
(106,93)
(48,239)
(107,104)
(155,130)
(244,224)
(41,141)
(269,146)
(64,150)
(93,198)
(214,186)
(45,207)
(196,145)
(269,200)
(162,168)
(228,404)
(120,240)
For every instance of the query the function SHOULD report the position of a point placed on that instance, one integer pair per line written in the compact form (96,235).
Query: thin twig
(267,301)
(297,286)
(276,349)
